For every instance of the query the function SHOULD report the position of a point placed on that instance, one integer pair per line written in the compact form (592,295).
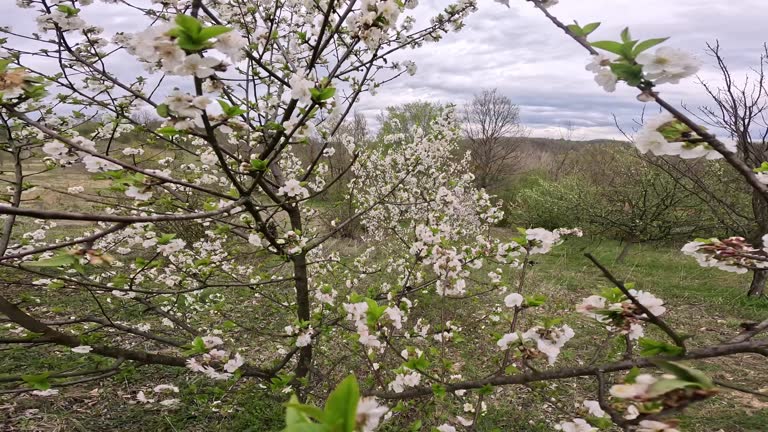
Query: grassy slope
(708,304)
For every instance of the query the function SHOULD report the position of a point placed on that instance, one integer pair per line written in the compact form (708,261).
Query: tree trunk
(757,287)
(624,252)
(760,211)
(301,281)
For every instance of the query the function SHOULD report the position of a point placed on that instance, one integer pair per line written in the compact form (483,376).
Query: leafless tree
(741,109)
(493,130)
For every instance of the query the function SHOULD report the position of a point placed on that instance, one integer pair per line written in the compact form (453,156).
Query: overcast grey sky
(518,51)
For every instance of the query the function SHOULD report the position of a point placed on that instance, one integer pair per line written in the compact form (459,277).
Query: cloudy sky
(518,51)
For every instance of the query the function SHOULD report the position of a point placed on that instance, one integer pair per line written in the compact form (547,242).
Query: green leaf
(610,46)
(631,73)
(576,30)
(259,165)
(309,410)
(416,426)
(4,63)
(39,381)
(294,416)
(57,261)
(600,422)
(165,238)
(169,131)
(306,427)
(213,31)
(591,27)
(439,390)
(646,45)
(625,35)
(651,347)
(56,284)
(686,373)
(486,390)
(69,10)
(196,347)
(419,363)
(163,111)
(319,95)
(632,375)
(341,405)
(535,300)
(664,386)
(374,312)
(191,43)
(189,24)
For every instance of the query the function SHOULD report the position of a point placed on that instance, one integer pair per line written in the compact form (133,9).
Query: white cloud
(518,51)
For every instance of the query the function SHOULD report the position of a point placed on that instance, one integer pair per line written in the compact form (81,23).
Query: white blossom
(300,87)
(668,65)
(369,414)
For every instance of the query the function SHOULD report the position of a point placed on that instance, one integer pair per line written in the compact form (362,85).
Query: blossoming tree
(204,247)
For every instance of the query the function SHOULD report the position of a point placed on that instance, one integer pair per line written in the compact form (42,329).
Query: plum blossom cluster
(541,241)
(538,341)
(618,313)
(374,20)
(406,378)
(665,135)
(80,149)
(369,319)
(158,48)
(645,397)
(733,254)
(208,363)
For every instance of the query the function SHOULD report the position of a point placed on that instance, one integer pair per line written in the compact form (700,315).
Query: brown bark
(760,211)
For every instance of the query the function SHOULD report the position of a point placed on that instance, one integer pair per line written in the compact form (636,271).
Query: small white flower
(655,426)
(594,408)
(234,363)
(212,341)
(231,43)
(165,388)
(300,88)
(514,300)
(171,247)
(97,164)
(292,189)
(304,339)
(137,194)
(170,402)
(410,67)
(668,65)
(606,79)
(369,414)
(577,425)
(142,398)
(82,349)
(254,239)
(194,64)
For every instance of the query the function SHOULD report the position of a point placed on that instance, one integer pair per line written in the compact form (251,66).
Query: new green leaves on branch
(192,36)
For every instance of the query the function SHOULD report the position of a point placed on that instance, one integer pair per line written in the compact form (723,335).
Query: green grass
(706,304)
(661,269)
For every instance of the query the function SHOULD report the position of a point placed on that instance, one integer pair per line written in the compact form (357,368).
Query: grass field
(706,304)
